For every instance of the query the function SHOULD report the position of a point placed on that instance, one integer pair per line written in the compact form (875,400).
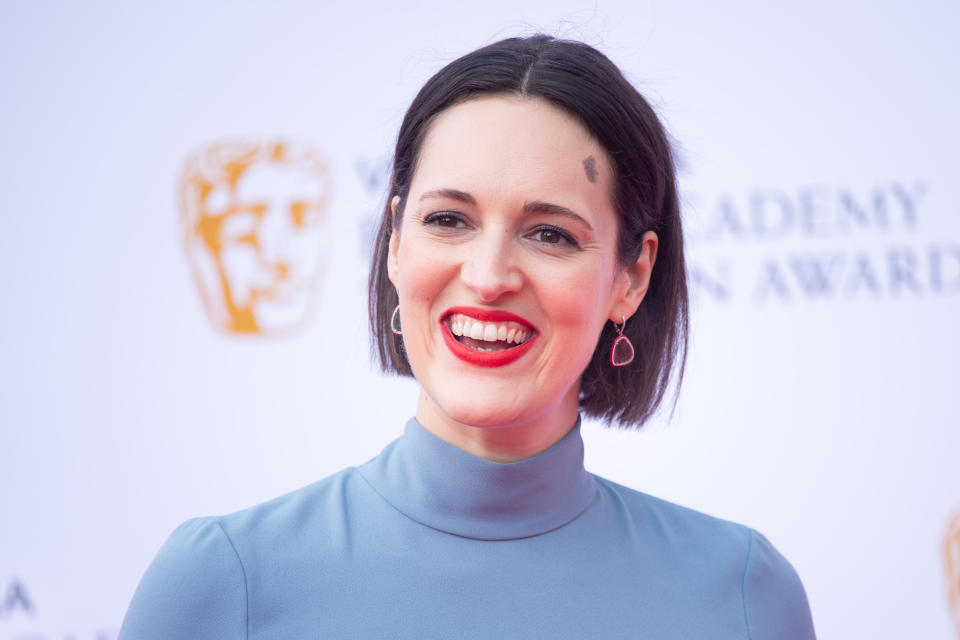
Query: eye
(446,219)
(552,235)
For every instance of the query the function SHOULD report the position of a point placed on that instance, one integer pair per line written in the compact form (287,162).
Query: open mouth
(485,337)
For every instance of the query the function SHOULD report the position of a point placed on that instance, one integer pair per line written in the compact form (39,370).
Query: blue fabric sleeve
(774,601)
(194,588)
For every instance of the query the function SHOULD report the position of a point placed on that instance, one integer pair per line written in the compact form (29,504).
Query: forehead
(511,142)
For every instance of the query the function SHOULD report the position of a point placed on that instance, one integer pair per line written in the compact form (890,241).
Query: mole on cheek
(590,168)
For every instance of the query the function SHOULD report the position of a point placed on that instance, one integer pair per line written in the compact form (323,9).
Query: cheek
(421,274)
(576,298)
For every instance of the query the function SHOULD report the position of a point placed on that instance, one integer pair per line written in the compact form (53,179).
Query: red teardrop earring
(621,351)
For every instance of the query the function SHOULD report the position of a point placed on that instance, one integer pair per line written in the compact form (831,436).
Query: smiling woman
(528,269)
(515,230)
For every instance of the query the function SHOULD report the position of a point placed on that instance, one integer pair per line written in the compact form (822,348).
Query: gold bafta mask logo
(951,559)
(252,217)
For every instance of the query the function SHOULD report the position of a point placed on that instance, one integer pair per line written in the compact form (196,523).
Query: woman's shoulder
(700,534)
(315,503)
(773,595)
(670,519)
(196,585)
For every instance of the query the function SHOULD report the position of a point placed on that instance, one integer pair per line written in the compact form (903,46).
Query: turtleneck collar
(448,489)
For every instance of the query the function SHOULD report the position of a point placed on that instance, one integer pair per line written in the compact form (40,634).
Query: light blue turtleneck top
(428,541)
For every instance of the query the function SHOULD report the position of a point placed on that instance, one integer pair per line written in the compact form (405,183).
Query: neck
(509,442)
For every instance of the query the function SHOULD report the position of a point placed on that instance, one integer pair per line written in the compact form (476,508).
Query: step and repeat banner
(189,198)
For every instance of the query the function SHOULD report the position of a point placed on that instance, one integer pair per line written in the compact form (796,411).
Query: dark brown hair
(586,84)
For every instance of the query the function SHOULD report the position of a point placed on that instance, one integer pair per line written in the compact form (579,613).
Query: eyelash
(433,218)
(566,237)
(449,216)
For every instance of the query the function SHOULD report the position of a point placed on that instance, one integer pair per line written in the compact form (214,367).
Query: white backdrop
(818,146)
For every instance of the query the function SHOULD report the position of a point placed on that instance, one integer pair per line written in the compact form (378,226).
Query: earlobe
(634,280)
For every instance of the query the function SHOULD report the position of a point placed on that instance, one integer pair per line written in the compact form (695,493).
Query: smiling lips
(485,337)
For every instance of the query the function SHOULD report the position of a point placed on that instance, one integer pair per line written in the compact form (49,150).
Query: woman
(529,267)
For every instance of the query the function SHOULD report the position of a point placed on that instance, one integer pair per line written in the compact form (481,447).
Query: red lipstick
(486,358)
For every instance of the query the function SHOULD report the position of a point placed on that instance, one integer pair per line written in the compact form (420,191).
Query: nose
(489,268)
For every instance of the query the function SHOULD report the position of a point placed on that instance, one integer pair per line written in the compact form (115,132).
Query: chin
(483,415)
(518,413)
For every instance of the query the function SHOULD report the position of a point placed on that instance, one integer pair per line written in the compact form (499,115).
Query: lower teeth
(476,347)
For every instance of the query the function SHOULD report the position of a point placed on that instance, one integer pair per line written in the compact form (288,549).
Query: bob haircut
(583,82)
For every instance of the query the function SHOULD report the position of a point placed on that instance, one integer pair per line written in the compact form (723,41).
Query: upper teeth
(461,325)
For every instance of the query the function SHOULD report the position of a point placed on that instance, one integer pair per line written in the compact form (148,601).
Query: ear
(393,266)
(632,282)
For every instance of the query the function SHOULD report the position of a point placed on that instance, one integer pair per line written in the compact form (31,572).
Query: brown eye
(553,235)
(550,236)
(445,220)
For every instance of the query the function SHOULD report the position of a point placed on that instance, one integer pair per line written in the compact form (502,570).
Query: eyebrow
(554,209)
(537,206)
(450,194)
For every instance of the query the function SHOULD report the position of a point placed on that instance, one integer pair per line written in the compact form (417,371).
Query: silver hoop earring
(395,322)
(621,351)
